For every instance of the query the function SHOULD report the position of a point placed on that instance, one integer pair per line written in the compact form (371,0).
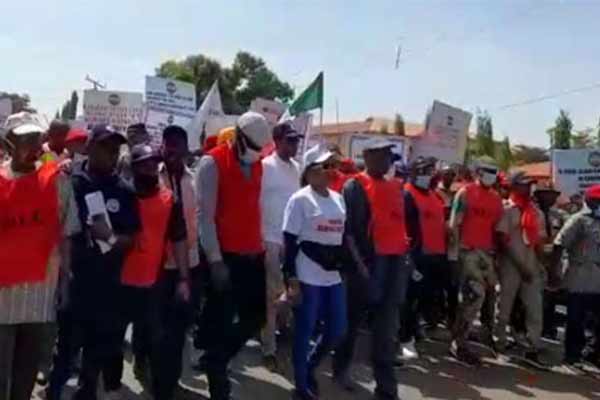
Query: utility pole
(94,82)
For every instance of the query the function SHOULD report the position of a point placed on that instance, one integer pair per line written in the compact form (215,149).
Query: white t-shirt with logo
(318,219)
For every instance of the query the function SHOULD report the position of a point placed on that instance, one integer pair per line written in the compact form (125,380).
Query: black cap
(520,178)
(422,162)
(175,130)
(377,144)
(142,152)
(102,132)
(285,130)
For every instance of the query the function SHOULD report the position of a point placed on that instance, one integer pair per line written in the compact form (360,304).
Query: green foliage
(20,102)
(485,135)
(247,78)
(582,139)
(504,155)
(69,109)
(399,127)
(560,133)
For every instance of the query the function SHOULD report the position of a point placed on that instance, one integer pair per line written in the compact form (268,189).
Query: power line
(549,96)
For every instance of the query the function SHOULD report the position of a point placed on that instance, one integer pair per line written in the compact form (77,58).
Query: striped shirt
(35,302)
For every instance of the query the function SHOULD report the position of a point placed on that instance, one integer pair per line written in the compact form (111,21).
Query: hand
(219,276)
(100,229)
(294,294)
(66,166)
(183,292)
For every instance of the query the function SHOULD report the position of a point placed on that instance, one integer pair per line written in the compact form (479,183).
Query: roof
(537,170)
(370,125)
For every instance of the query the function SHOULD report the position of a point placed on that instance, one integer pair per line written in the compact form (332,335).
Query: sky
(471,54)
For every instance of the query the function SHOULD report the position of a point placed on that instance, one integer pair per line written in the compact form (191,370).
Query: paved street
(434,376)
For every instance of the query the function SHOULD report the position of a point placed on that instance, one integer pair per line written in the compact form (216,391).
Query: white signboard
(211,108)
(445,137)
(5,110)
(272,110)
(168,102)
(358,141)
(573,171)
(119,109)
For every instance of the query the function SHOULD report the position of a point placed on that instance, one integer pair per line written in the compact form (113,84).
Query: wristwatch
(112,240)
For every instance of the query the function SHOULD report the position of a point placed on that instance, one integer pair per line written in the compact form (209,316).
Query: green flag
(310,99)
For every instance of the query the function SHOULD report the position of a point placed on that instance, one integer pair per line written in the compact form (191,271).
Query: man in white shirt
(280,179)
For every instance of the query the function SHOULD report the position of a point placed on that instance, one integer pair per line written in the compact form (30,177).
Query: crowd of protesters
(100,231)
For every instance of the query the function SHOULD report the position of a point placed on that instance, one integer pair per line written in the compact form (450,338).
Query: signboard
(211,108)
(272,110)
(5,110)
(119,109)
(575,170)
(445,137)
(168,102)
(358,141)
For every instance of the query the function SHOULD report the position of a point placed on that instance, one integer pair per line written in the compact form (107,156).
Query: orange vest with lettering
(143,262)
(238,209)
(431,219)
(387,226)
(483,211)
(29,225)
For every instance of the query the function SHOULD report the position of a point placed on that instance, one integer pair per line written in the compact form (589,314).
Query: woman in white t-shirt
(313,228)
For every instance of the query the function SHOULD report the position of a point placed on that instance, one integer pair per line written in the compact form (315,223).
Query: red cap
(593,192)
(75,135)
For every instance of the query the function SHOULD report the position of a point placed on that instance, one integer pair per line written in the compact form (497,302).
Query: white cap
(316,155)
(24,123)
(255,127)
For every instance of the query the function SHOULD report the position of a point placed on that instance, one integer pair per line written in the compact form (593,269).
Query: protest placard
(445,136)
(211,109)
(358,141)
(168,102)
(119,109)
(575,170)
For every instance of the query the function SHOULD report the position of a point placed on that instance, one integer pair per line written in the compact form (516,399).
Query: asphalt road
(433,376)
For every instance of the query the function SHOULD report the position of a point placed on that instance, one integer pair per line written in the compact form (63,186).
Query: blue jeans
(319,303)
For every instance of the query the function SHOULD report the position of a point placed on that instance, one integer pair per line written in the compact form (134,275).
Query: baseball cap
(75,135)
(422,162)
(24,123)
(102,132)
(285,130)
(316,155)
(377,144)
(520,178)
(255,127)
(142,152)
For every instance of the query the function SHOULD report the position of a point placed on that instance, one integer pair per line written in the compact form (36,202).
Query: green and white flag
(310,99)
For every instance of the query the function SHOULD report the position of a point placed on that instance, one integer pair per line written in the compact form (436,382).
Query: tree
(582,139)
(20,102)
(399,128)
(69,109)
(485,135)
(504,155)
(560,133)
(247,78)
(384,129)
(529,154)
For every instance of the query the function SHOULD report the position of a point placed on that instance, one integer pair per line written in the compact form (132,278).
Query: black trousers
(175,318)
(578,306)
(233,317)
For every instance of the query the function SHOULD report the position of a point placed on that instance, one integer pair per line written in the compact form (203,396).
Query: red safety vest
(337,181)
(483,211)
(29,225)
(387,225)
(431,219)
(143,262)
(238,209)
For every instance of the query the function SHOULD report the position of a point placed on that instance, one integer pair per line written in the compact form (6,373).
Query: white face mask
(488,179)
(250,156)
(423,181)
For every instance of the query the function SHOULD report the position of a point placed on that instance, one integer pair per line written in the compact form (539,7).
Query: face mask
(488,179)
(423,181)
(250,156)
(146,182)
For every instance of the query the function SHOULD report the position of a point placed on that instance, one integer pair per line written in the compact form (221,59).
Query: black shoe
(345,382)
(42,379)
(465,356)
(313,384)
(270,362)
(489,342)
(304,395)
(385,396)
(398,363)
(532,358)
(201,365)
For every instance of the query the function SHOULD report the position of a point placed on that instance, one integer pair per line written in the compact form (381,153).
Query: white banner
(5,110)
(119,109)
(573,171)
(168,102)
(211,108)
(358,142)
(445,137)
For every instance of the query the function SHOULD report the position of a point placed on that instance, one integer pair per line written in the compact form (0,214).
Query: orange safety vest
(431,219)
(29,225)
(483,211)
(387,225)
(143,262)
(337,181)
(238,208)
